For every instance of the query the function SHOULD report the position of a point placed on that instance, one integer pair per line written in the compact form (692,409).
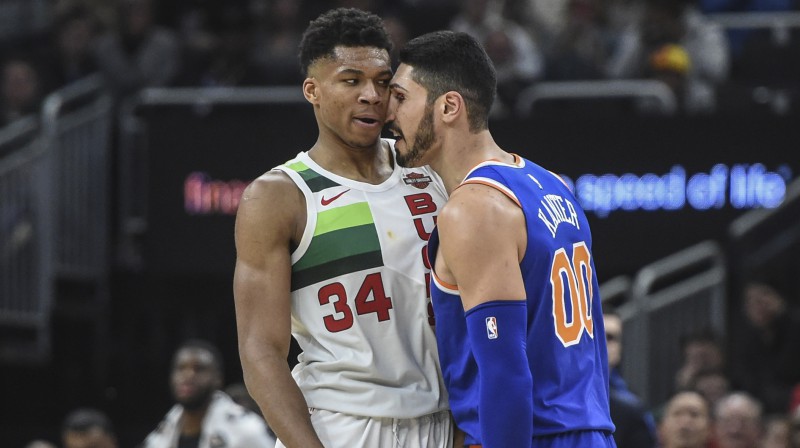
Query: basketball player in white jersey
(331,249)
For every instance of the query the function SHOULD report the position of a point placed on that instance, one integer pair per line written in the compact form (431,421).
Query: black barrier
(651,185)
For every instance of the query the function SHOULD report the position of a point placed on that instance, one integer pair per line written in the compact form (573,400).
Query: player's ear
(452,106)
(310,90)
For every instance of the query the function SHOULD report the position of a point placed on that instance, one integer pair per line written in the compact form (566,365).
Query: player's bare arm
(482,241)
(269,219)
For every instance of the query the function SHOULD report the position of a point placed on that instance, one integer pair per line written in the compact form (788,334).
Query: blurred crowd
(736,391)
(140,43)
(742,392)
(739,391)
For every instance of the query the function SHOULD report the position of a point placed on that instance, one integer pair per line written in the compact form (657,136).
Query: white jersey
(361,307)
(226,424)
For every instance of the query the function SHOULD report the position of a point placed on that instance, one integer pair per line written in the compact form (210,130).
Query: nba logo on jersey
(491,327)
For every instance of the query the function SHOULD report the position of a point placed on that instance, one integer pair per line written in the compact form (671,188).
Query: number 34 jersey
(360,301)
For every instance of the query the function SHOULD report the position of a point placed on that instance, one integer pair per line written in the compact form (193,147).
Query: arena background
(653,185)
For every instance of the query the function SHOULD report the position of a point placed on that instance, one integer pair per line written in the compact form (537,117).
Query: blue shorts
(583,439)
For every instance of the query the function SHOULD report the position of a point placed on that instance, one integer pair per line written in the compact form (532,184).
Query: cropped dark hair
(445,61)
(86,419)
(203,345)
(347,27)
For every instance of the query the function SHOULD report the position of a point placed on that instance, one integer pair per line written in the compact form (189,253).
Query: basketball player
(519,324)
(331,249)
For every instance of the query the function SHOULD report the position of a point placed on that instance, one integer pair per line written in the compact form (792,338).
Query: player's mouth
(368,120)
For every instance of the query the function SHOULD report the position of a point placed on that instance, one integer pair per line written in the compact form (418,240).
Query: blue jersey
(565,336)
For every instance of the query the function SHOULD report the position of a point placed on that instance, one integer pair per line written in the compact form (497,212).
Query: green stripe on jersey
(332,246)
(336,253)
(352,215)
(314,180)
(336,268)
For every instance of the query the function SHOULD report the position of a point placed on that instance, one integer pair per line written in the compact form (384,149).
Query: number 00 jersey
(360,300)
(565,335)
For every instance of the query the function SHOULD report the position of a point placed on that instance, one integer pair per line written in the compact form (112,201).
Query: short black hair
(445,61)
(202,344)
(347,27)
(86,419)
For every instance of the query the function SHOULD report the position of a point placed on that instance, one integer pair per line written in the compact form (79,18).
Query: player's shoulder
(272,193)
(477,205)
(270,186)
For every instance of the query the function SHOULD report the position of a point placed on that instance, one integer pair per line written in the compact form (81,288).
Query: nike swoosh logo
(325,202)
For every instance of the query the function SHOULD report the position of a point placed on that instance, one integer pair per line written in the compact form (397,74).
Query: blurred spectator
(583,46)
(710,6)
(230,64)
(71,55)
(738,37)
(776,431)
(278,32)
(701,351)
(548,18)
(516,56)
(794,401)
(794,429)
(21,89)
(40,444)
(766,357)
(622,14)
(204,416)
(738,417)
(139,54)
(88,428)
(104,10)
(686,422)
(193,24)
(398,31)
(239,394)
(712,384)
(635,427)
(673,42)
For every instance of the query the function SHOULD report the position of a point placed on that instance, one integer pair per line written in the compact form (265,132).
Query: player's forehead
(403,80)
(371,61)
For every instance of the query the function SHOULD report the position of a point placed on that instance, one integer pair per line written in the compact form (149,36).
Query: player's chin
(367,133)
(409,162)
(365,141)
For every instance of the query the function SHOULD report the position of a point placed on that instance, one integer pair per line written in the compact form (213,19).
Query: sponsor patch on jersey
(418,180)
(491,327)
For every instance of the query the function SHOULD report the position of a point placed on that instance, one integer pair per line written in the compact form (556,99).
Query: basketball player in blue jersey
(515,292)
(331,250)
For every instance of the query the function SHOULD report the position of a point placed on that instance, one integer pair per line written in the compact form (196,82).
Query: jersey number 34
(335,293)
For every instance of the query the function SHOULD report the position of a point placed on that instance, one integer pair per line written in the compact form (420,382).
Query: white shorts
(337,430)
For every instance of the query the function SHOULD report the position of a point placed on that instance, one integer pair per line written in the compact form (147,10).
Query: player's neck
(369,164)
(463,153)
